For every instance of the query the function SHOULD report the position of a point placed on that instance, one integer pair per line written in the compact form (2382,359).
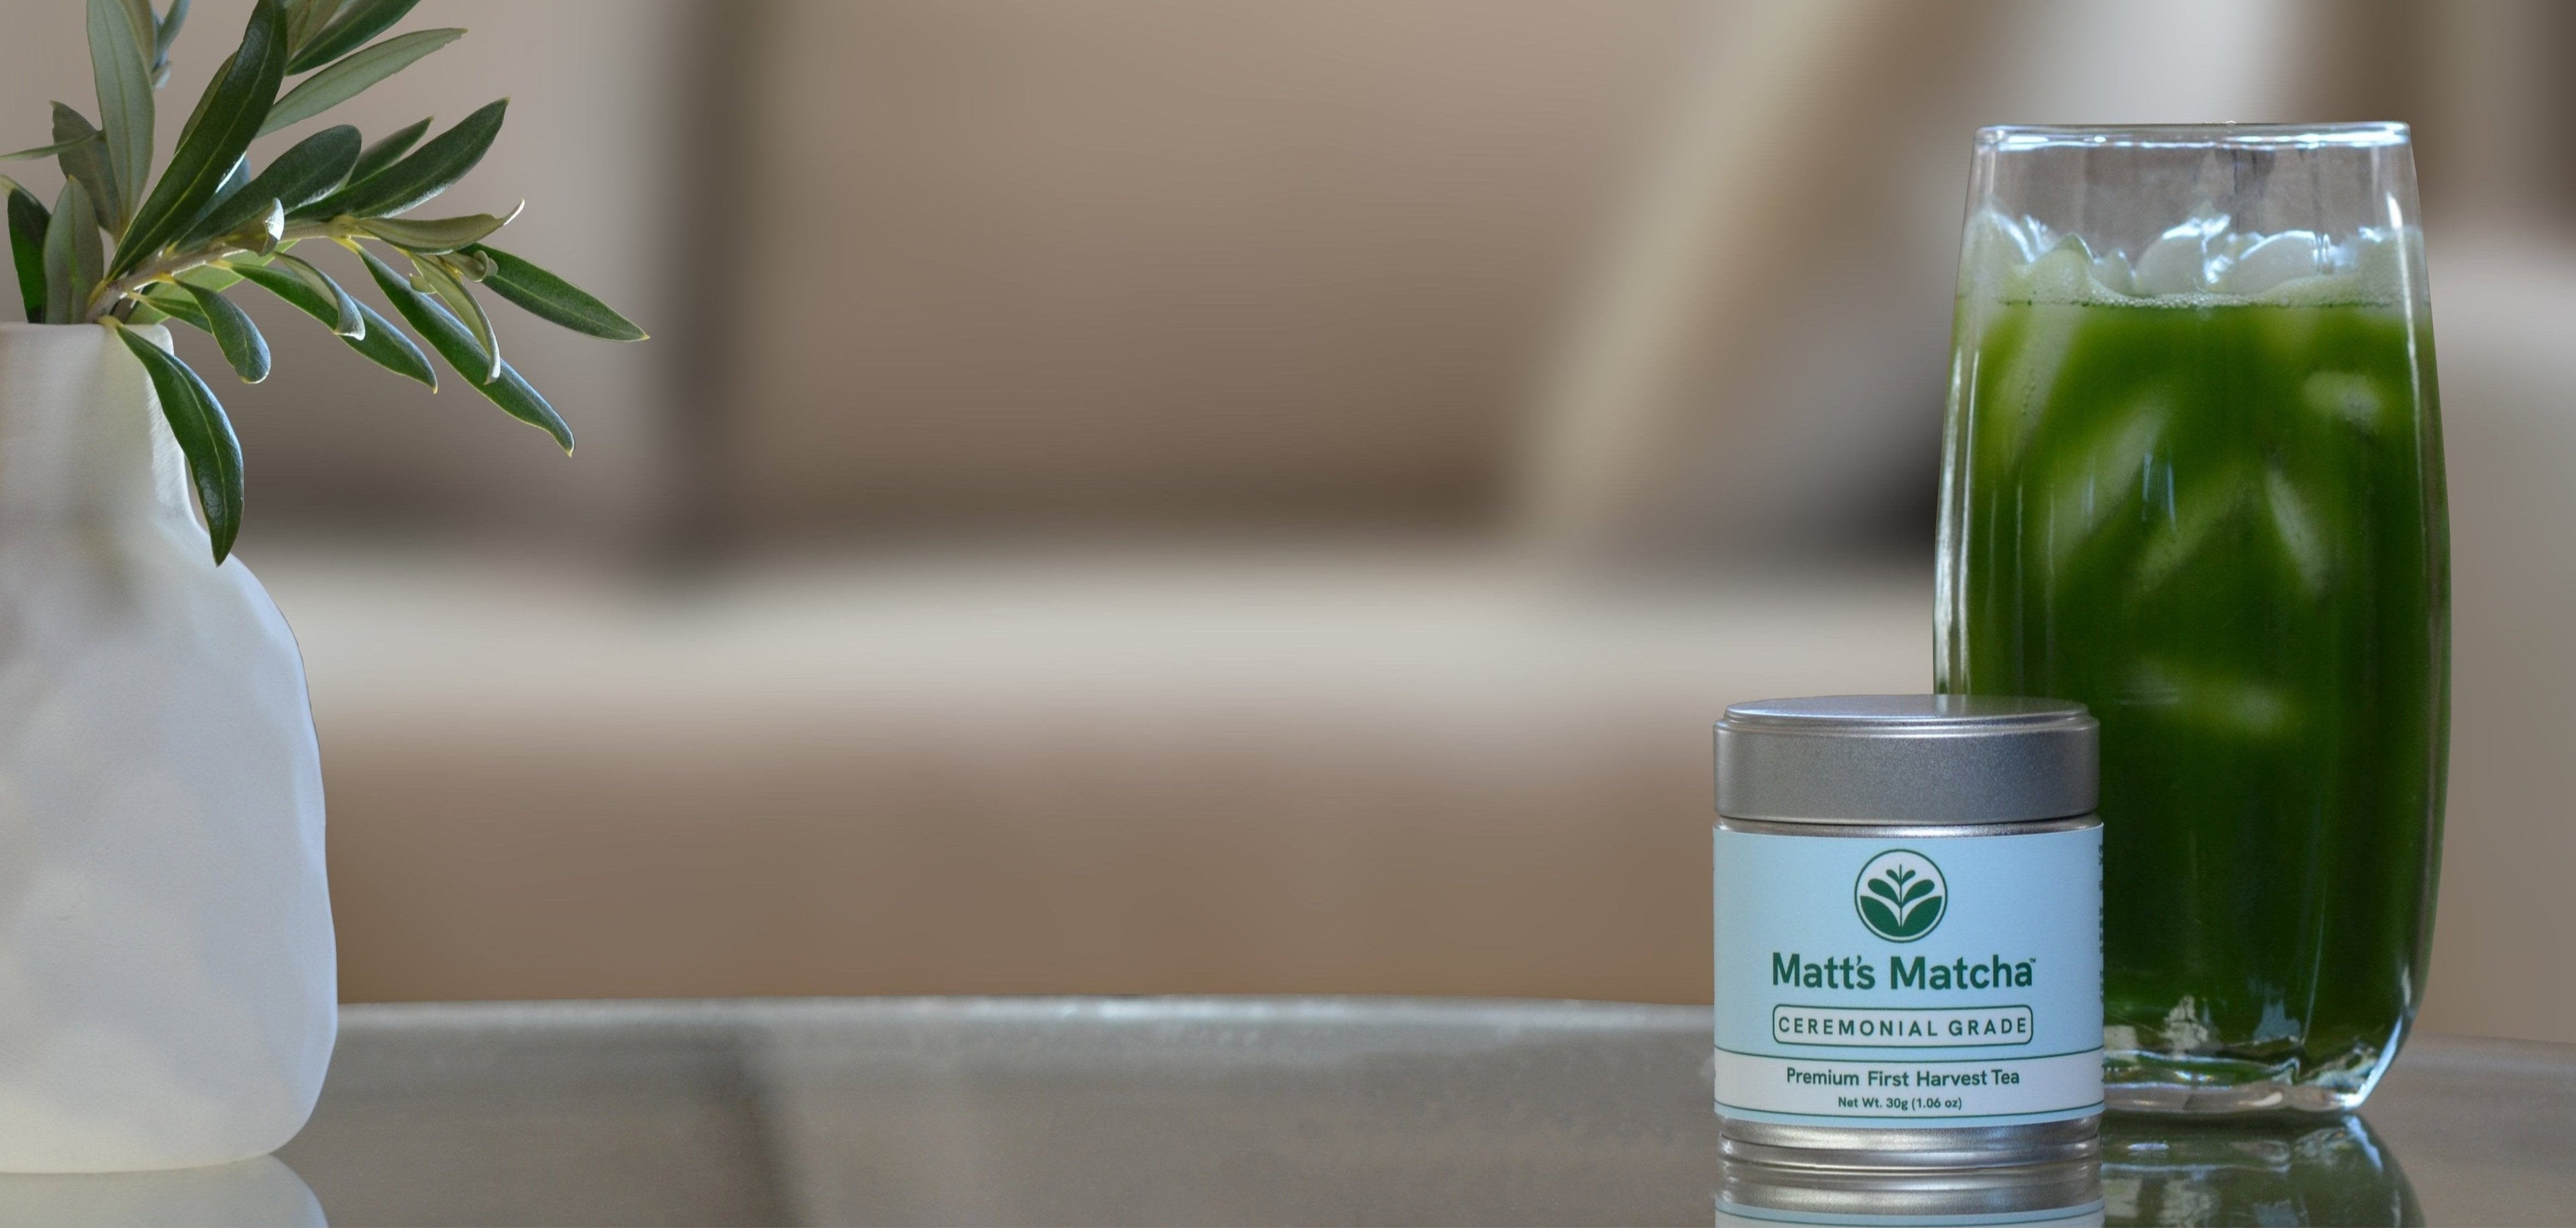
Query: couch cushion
(1391,772)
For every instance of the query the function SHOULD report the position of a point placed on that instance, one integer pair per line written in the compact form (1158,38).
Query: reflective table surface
(1228,1111)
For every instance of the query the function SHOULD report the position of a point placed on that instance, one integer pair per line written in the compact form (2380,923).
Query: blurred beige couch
(1141,497)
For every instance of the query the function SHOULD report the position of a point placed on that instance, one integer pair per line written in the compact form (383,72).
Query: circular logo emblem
(1900,895)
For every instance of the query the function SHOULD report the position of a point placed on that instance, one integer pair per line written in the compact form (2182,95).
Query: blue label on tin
(1909,981)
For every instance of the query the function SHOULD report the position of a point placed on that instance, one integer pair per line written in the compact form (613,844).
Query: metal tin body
(1907,931)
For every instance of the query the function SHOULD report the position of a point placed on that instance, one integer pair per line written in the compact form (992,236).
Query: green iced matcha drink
(2216,518)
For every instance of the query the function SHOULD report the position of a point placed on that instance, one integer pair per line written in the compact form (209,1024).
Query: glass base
(2142,1082)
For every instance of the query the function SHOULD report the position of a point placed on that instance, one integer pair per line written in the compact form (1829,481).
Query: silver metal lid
(1907,759)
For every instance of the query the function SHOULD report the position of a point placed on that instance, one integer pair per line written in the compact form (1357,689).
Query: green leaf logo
(1901,895)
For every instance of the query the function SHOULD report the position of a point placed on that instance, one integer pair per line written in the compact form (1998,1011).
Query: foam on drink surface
(2201,262)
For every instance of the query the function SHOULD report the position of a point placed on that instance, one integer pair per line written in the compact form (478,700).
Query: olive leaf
(234,180)
(28,222)
(84,158)
(138,13)
(71,254)
(349,31)
(315,167)
(392,348)
(121,62)
(352,316)
(239,338)
(226,121)
(437,236)
(176,303)
(433,275)
(376,157)
(371,335)
(354,75)
(205,437)
(164,33)
(510,391)
(308,288)
(213,277)
(469,266)
(305,18)
(262,235)
(48,151)
(420,175)
(551,298)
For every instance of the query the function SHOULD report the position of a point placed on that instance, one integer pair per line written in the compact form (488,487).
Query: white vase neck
(81,433)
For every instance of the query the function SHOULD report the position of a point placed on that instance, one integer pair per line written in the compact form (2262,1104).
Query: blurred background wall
(1137,496)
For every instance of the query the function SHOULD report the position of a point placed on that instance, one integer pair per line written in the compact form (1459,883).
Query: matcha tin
(1908,931)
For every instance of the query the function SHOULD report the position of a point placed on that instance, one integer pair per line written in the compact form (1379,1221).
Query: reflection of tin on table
(2064,1193)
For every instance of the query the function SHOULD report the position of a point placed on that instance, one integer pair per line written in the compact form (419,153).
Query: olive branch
(118,248)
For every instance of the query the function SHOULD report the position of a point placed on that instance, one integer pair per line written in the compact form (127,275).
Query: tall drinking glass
(2193,478)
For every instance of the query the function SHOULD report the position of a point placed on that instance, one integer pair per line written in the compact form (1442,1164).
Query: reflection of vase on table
(255,1193)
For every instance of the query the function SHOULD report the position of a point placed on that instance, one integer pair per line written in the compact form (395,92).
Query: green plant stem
(168,268)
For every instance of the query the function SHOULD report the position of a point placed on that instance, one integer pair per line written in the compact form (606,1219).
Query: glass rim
(2013,138)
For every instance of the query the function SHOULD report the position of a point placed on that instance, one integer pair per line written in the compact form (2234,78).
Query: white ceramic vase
(167,980)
